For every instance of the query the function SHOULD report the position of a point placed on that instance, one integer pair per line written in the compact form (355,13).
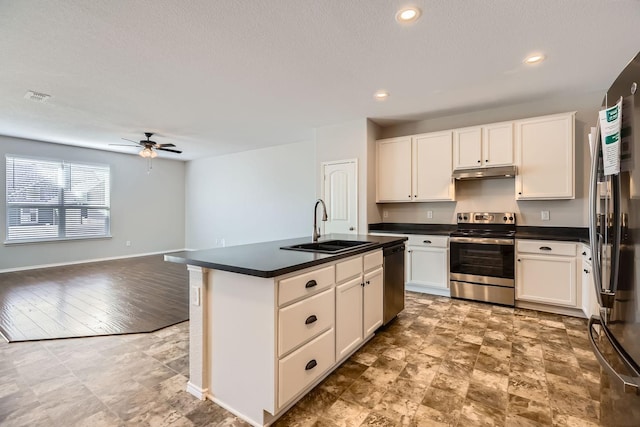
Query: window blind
(56,200)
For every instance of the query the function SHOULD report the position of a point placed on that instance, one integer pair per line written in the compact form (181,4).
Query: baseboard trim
(423,289)
(548,308)
(200,393)
(86,261)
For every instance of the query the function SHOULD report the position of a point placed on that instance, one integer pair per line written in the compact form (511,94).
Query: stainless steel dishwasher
(393,281)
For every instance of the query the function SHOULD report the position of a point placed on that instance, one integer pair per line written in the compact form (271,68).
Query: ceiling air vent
(36,96)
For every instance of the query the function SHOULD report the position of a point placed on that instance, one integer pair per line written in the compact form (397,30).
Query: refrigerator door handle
(616,228)
(630,384)
(594,244)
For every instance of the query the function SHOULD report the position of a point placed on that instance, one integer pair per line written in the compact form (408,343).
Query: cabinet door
(545,155)
(589,300)
(467,148)
(372,301)
(546,279)
(428,267)
(497,144)
(348,317)
(394,170)
(432,167)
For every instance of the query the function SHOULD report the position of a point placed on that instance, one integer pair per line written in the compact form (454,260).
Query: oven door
(482,260)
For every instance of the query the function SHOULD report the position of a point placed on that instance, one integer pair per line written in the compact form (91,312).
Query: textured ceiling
(222,76)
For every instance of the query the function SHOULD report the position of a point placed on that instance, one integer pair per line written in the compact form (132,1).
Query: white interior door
(340,193)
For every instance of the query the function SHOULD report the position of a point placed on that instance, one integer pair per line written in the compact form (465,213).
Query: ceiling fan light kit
(149,148)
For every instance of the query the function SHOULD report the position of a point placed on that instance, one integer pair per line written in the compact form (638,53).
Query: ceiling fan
(148,146)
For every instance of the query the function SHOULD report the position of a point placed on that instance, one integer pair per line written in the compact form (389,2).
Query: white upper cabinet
(545,157)
(394,170)
(415,168)
(497,144)
(467,148)
(480,146)
(432,159)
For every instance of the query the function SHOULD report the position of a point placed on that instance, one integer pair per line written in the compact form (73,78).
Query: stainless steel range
(482,252)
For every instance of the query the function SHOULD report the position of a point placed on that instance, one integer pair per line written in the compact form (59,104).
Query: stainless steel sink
(328,247)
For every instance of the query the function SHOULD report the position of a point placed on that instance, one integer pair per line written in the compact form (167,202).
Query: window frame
(61,207)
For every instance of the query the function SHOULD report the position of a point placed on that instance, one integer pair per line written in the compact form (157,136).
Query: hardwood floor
(132,295)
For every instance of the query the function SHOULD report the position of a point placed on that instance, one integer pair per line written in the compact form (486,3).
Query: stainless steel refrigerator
(614,229)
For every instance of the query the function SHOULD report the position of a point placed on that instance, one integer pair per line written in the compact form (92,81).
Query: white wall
(252,196)
(346,141)
(146,209)
(497,195)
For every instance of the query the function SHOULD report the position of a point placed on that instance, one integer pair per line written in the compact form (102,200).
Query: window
(56,200)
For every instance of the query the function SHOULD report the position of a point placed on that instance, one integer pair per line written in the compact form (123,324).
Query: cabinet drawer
(304,284)
(428,241)
(304,366)
(372,260)
(546,247)
(348,269)
(303,320)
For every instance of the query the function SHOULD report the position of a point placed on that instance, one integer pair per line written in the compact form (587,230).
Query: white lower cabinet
(349,316)
(546,272)
(359,302)
(373,293)
(590,304)
(427,264)
(303,366)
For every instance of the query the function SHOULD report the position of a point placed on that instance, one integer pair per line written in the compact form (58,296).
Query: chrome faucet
(316,229)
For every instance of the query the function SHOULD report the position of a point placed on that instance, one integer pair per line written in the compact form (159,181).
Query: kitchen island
(268,324)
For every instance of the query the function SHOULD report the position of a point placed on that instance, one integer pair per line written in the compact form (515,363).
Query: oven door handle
(482,240)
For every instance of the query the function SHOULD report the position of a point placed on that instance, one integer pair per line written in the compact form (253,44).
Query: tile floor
(442,362)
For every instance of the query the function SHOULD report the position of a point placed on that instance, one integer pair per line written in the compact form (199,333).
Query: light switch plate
(430,214)
(544,215)
(385,214)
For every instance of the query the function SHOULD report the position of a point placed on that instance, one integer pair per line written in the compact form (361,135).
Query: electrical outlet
(195,295)
(544,215)
(430,214)
(222,243)
(385,214)
(128,243)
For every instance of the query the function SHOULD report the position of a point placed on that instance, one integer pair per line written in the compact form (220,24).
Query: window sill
(60,240)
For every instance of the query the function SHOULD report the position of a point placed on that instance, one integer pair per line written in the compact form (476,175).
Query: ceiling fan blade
(164,145)
(167,149)
(130,140)
(123,145)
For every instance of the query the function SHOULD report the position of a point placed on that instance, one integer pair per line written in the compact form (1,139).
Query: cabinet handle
(486,161)
(311,319)
(584,253)
(409,196)
(362,284)
(415,195)
(479,161)
(310,284)
(311,364)
(368,282)
(586,271)
(519,193)
(545,248)
(518,259)
(428,242)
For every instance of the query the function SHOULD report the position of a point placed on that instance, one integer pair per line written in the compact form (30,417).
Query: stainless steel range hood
(484,173)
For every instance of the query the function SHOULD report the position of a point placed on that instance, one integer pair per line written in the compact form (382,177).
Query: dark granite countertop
(268,260)
(407,228)
(568,234)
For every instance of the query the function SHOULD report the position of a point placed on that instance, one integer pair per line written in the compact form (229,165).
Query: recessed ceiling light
(408,14)
(381,95)
(536,58)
